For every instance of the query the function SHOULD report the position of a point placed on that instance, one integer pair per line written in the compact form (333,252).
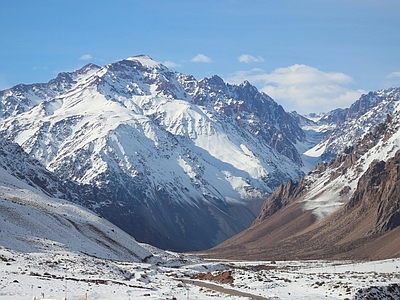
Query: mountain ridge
(351,123)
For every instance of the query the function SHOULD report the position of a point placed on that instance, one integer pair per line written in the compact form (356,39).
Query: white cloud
(393,75)
(246,58)
(171,64)
(392,80)
(86,57)
(39,68)
(303,88)
(201,58)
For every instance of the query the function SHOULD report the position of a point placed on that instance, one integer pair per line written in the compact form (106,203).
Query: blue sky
(309,55)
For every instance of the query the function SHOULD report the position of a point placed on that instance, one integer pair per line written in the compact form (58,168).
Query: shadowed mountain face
(348,208)
(178,163)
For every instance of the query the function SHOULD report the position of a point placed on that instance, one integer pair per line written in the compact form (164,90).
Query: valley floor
(57,275)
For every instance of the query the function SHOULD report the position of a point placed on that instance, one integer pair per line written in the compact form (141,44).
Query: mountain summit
(178,163)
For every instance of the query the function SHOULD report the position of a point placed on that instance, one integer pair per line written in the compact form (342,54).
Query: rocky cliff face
(379,190)
(281,197)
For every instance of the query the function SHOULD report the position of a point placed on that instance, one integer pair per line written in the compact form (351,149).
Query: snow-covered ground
(316,279)
(71,275)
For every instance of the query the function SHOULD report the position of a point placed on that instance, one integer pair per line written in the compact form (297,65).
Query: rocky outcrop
(281,197)
(379,190)
(224,277)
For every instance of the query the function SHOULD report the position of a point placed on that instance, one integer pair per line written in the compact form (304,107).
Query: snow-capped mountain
(176,162)
(347,125)
(347,208)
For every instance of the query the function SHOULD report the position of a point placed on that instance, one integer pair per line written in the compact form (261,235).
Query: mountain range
(185,164)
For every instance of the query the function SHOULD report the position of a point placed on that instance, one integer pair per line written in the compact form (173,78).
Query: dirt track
(223,290)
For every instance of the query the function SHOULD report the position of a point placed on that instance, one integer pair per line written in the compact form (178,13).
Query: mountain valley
(184,164)
(105,169)
(347,208)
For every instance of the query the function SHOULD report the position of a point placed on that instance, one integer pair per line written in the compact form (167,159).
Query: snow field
(72,275)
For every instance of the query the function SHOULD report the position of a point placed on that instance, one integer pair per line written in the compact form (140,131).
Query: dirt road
(224,290)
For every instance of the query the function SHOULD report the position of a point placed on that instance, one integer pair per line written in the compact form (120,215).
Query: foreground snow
(72,275)
(316,279)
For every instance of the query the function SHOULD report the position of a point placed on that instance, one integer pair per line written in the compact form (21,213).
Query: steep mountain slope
(19,164)
(176,162)
(32,221)
(348,208)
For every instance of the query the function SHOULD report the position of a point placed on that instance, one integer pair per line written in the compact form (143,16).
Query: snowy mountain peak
(176,162)
(145,60)
(90,67)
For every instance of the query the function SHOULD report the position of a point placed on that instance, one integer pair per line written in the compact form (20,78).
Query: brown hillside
(367,227)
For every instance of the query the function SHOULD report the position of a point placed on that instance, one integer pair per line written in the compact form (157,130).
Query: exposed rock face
(20,165)
(281,197)
(222,277)
(293,191)
(379,190)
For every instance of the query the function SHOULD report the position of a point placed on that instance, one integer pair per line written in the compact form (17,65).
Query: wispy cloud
(39,68)
(86,57)
(171,64)
(246,58)
(201,58)
(392,80)
(303,88)
(393,75)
